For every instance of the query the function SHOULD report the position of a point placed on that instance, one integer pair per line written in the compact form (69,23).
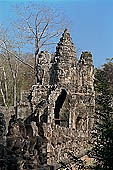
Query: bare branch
(45,27)
(43,43)
(17,57)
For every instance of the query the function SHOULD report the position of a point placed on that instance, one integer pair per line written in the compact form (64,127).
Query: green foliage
(102,150)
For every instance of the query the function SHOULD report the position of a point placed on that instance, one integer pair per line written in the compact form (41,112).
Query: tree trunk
(36,59)
(15,93)
(6,89)
(14,76)
(14,90)
(3,96)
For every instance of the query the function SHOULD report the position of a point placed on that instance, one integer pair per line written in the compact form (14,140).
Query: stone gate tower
(65,91)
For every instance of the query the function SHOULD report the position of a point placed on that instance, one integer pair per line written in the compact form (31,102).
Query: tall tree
(103,132)
(14,78)
(36,27)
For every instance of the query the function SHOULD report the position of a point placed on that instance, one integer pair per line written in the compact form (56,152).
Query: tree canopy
(102,145)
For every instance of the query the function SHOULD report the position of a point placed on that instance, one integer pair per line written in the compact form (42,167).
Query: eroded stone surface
(55,119)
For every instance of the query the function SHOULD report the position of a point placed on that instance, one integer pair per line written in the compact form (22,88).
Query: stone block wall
(23,111)
(63,141)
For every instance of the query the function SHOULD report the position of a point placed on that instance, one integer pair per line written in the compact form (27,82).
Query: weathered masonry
(65,87)
(57,116)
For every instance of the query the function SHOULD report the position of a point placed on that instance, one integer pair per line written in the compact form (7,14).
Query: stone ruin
(56,118)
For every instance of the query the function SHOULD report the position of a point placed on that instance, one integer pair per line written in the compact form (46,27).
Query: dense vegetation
(102,150)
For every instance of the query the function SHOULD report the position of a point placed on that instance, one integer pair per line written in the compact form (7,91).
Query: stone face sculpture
(2,142)
(21,146)
(15,136)
(2,129)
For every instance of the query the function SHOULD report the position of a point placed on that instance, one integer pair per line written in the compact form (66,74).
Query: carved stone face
(15,129)
(42,59)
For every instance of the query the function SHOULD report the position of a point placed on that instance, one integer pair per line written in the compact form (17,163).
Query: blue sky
(91,24)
